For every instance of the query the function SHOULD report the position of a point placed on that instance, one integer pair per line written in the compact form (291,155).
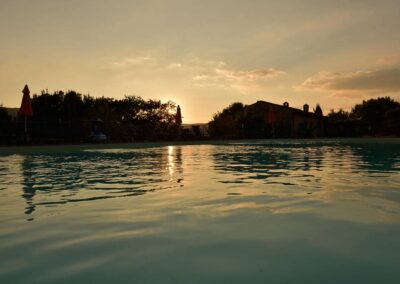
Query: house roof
(295,110)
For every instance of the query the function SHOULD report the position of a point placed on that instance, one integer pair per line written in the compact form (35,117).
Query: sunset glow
(203,55)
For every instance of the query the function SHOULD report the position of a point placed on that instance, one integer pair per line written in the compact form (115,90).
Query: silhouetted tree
(338,116)
(318,110)
(4,116)
(373,114)
(68,117)
(178,116)
(392,121)
(379,116)
(47,116)
(229,122)
(72,115)
(6,126)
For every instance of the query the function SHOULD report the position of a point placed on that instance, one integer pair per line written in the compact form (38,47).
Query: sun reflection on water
(171,165)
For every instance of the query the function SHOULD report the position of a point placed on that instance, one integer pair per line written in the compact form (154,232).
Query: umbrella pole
(26,128)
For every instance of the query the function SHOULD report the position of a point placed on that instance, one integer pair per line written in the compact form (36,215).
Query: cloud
(133,61)
(186,72)
(367,82)
(174,66)
(224,77)
(393,59)
(254,74)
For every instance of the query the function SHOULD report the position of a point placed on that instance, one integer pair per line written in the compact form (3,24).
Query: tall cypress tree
(178,116)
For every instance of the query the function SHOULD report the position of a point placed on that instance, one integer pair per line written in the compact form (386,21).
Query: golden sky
(203,54)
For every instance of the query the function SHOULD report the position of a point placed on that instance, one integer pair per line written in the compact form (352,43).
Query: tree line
(373,117)
(69,117)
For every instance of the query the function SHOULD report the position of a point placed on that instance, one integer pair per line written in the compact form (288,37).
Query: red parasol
(26,105)
(271,118)
(26,109)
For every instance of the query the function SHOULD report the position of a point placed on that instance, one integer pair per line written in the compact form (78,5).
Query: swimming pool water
(266,211)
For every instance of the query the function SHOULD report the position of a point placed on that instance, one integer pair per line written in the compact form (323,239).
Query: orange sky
(205,54)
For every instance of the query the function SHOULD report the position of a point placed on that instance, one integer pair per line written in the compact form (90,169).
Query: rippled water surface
(322,211)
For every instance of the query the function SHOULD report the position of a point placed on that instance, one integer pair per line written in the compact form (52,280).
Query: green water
(305,211)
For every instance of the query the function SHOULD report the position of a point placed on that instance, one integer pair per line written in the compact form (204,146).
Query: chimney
(306,108)
(286,104)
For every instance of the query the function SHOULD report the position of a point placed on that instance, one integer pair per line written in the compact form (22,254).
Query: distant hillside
(196,129)
(185,125)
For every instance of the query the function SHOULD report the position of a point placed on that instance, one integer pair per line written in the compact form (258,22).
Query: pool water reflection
(282,211)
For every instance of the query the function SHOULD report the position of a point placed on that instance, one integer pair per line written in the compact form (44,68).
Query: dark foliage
(68,117)
(6,126)
(374,117)
(229,123)
(340,115)
(318,110)
(4,116)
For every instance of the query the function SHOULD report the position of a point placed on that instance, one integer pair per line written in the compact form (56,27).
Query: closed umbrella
(271,119)
(26,107)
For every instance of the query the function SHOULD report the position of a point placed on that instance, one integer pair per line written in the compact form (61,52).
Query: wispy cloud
(392,59)
(192,70)
(133,61)
(366,82)
(174,66)
(225,77)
